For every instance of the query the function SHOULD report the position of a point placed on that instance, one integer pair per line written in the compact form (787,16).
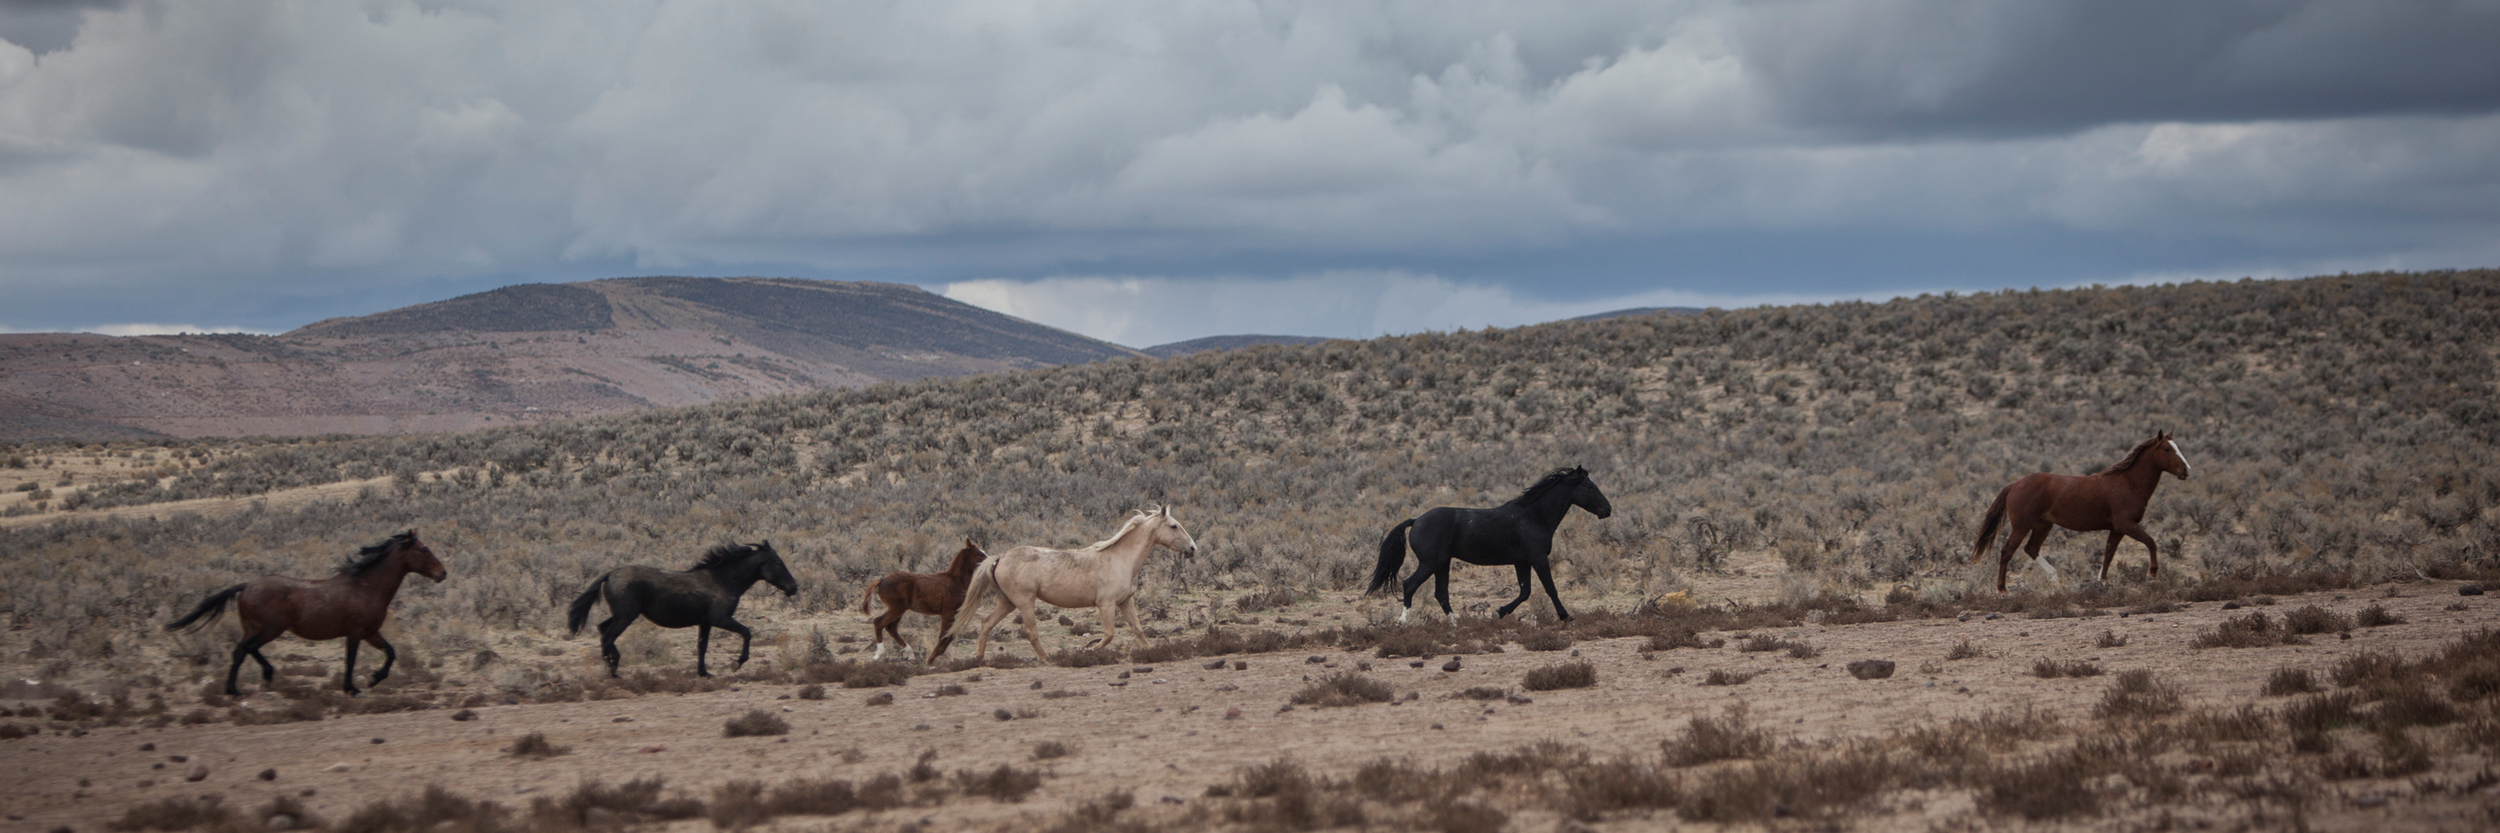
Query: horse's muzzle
(438,575)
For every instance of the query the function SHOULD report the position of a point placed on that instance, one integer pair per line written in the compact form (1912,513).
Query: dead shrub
(1545,640)
(179,813)
(756,723)
(2413,706)
(1820,786)
(1345,688)
(876,674)
(1269,599)
(433,809)
(2110,639)
(2062,785)
(1464,817)
(2253,630)
(2288,680)
(1091,657)
(2053,669)
(2138,695)
(1965,649)
(1617,785)
(2376,616)
(811,691)
(1560,676)
(535,746)
(1395,781)
(1720,676)
(1049,749)
(1707,739)
(2312,619)
(1482,692)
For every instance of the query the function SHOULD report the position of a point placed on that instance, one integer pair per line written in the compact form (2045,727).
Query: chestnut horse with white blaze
(2112,499)
(1102,576)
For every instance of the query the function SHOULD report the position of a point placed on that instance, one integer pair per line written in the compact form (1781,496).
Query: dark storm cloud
(248,163)
(1957,66)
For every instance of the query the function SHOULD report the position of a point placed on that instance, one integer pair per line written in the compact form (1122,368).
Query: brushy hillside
(2335,423)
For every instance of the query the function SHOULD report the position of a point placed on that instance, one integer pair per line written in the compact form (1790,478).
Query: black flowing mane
(724,555)
(1557,478)
(2132,456)
(364,559)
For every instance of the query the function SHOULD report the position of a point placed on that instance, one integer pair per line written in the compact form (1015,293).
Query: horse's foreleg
(2153,568)
(390,656)
(348,680)
(1524,591)
(1545,575)
(702,645)
(746,639)
(1110,616)
(945,637)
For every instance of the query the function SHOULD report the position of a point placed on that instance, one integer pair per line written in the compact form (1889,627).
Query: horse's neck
(2141,478)
(383,578)
(1129,550)
(1549,508)
(736,578)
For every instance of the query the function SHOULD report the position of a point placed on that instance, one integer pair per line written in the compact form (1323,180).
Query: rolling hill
(516,355)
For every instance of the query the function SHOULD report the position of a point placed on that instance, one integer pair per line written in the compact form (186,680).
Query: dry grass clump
(1708,739)
(2053,669)
(1049,749)
(2312,619)
(2138,695)
(2376,616)
(741,804)
(2110,639)
(535,746)
(1269,599)
(1965,649)
(1560,676)
(2288,680)
(1721,676)
(1345,688)
(1003,783)
(756,722)
(1545,639)
(2252,630)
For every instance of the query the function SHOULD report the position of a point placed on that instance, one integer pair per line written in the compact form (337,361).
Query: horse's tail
(870,596)
(984,579)
(1988,525)
(210,608)
(580,612)
(1392,556)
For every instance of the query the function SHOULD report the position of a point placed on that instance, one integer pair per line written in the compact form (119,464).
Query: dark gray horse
(1519,533)
(704,598)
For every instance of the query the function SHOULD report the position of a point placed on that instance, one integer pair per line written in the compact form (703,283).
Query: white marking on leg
(2052,568)
(1402,614)
(880,654)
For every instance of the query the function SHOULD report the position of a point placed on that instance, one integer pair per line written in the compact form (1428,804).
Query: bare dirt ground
(1166,733)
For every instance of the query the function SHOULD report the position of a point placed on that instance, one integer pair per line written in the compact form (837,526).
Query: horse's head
(1584,494)
(420,558)
(775,573)
(966,559)
(1168,531)
(2165,455)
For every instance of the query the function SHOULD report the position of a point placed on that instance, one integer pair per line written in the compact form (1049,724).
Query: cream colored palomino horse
(1102,577)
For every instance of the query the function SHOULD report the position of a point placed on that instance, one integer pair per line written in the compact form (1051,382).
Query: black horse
(704,597)
(1519,533)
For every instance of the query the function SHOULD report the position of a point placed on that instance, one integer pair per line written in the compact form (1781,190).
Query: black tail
(1392,556)
(210,608)
(1988,525)
(581,607)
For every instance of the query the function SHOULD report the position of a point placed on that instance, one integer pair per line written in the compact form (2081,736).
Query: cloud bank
(272,164)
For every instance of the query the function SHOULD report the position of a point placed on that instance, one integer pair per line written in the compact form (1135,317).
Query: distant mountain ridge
(517,354)
(1197,345)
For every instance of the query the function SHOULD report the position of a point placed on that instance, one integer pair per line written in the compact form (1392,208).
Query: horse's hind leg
(390,656)
(1110,616)
(2014,536)
(1032,617)
(1423,572)
(1441,592)
(609,630)
(1129,609)
(2110,553)
(990,624)
(249,647)
(945,637)
(1525,589)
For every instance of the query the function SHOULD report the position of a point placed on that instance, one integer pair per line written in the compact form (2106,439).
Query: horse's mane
(1547,483)
(1133,521)
(724,555)
(364,559)
(2132,456)
(962,556)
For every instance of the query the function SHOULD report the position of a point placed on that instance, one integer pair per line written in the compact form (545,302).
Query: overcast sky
(1151,172)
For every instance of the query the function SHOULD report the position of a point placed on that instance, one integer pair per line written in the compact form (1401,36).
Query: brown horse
(2112,499)
(351,604)
(936,594)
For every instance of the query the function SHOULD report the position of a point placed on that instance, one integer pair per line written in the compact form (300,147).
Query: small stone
(147,747)
(1436,725)
(377,741)
(1995,616)
(1212,665)
(177,758)
(1315,659)
(1241,665)
(1451,666)
(1871,669)
(1233,713)
(653,749)
(1124,675)
(1518,699)
(270,774)
(882,698)
(1003,715)
(621,719)
(1416,664)
(2470,590)
(2230,605)
(2370,800)
(1144,669)
(281,821)
(464,715)
(337,767)
(1118,683)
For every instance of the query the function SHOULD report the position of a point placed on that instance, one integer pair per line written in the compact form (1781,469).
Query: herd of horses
(353,603)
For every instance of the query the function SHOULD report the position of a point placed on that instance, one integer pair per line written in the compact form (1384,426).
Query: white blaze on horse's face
(2183,463)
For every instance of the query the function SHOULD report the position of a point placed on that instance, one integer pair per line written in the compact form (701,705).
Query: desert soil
(1167,732)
